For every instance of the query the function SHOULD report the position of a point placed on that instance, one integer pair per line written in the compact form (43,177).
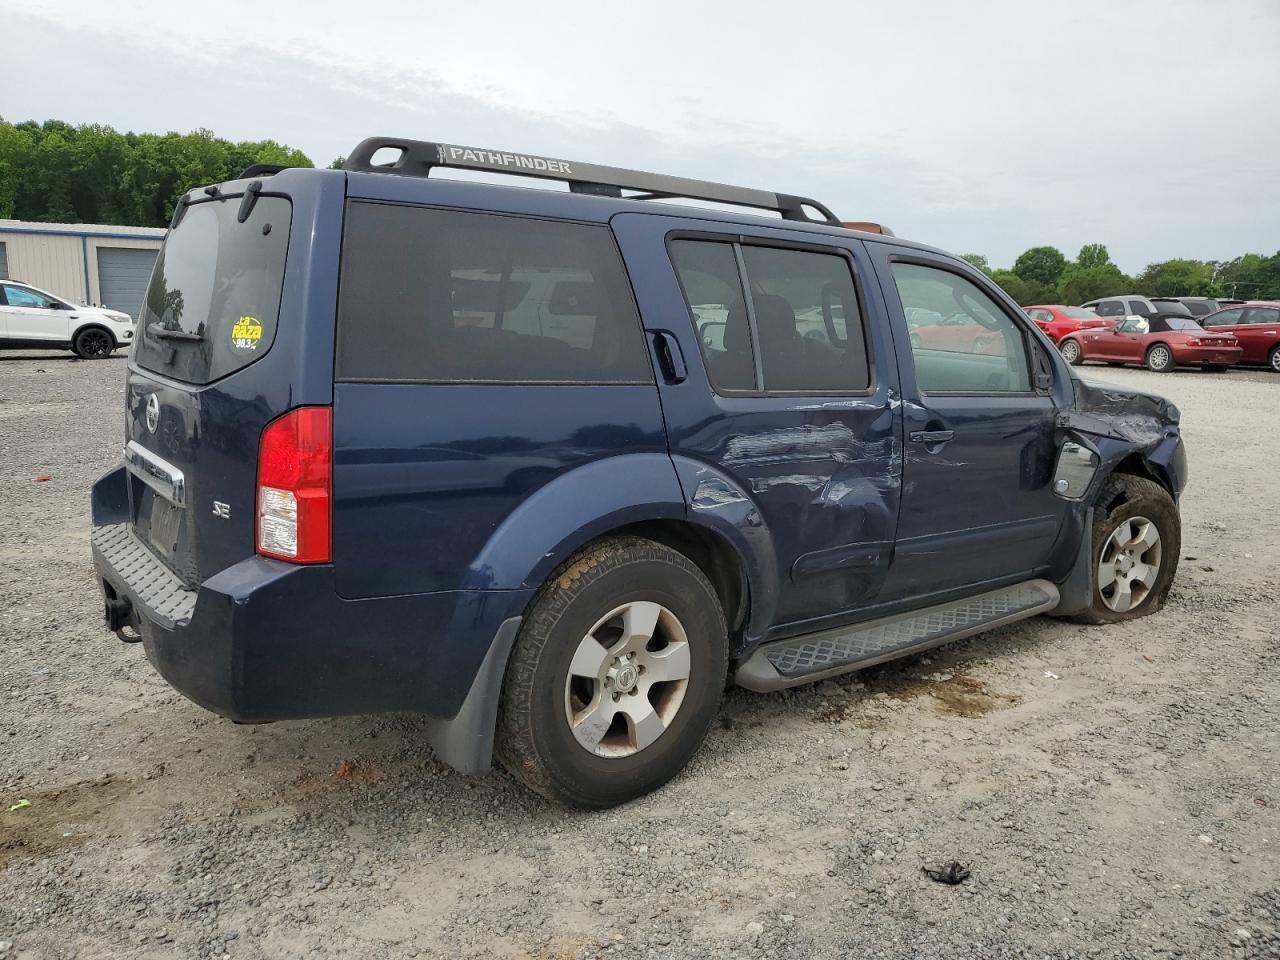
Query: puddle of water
(56,819)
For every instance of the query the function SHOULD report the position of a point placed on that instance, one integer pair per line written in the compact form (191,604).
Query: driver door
(977,502)
(1126,338)
(33,316)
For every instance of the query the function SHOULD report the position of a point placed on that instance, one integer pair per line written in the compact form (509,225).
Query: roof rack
(261,170)
(418,158)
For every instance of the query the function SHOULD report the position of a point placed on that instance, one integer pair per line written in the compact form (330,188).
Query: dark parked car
(1196,306)
(1161,343)
(551,467)
(1256,325)
(1132,305)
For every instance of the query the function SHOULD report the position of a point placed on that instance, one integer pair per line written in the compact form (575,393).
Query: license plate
(164,524)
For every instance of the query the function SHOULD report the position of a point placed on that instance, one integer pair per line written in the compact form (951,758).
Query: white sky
(989,126)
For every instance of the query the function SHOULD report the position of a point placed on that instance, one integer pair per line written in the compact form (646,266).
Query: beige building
(89,263)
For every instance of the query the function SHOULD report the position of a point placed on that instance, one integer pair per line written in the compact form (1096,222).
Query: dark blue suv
(551,467)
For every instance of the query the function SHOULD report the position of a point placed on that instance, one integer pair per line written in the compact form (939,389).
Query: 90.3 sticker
(246,333)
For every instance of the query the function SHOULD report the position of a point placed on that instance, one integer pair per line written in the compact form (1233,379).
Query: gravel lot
(1115,790)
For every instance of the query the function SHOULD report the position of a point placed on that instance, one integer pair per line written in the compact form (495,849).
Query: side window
(1139,308)
(1109,308)
(1224,318)
(975,348)
(806,316)
(1262,315)
(708,273)
(444,296)
(808,321)
(22,297)
(1042,315)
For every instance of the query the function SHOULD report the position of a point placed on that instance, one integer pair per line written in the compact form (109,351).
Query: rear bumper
(266,640)
(1224,356)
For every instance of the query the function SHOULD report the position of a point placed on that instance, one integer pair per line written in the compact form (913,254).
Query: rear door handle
(932,436)
(670,356)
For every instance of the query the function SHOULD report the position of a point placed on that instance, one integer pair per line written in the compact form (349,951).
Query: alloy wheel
(1159,358)
(1129,564)
(627,680)
(95,343)
(1070,351)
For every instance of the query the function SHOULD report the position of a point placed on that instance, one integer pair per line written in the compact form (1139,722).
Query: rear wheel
(1160,359)
(616,676)
(1273,359)
(1071,352)
(1137,537)
(93,343)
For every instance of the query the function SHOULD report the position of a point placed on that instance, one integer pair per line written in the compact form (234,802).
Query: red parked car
(1057,321)
(1160,342)
(1256,325)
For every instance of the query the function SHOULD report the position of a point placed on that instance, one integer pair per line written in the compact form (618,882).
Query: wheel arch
(94,325)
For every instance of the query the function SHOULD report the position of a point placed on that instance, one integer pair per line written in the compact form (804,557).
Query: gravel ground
(1115,790)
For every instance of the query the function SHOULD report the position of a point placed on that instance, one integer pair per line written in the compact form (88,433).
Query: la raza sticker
(246,333)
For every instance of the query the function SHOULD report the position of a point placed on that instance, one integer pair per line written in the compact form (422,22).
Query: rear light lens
(1194,341)
(295,486)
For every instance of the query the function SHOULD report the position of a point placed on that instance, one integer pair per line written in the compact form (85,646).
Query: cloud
(989,126)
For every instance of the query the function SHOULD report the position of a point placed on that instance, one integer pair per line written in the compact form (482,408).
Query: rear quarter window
(456,297)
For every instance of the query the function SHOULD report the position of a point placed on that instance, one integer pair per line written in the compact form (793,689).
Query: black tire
(535,741)
(1273,359)
(1122,498)
(1071,351)
(94,343)
(1159,359)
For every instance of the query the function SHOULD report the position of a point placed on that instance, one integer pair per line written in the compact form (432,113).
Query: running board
(814,656)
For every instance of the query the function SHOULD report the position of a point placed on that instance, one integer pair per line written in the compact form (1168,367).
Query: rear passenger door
(977,503)
(1259,333)
(781,409)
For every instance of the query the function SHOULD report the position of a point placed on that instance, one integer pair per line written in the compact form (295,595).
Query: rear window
(214,297)
(450,297)
(1079,313)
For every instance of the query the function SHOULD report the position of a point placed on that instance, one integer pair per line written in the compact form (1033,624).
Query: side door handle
(932,436)
(670,356)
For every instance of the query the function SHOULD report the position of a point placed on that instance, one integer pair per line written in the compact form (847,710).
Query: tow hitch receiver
(120,620)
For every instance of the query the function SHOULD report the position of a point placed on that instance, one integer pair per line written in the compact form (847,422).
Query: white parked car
(31,317)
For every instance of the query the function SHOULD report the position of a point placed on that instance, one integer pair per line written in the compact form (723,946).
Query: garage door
(4,263)
(123,276)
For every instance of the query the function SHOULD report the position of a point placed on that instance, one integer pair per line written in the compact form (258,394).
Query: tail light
(1194,341)
(295,486)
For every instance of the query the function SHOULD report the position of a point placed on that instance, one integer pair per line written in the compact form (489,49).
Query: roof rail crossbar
(417,158)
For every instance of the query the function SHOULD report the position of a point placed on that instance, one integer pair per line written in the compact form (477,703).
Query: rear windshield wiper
(164,334)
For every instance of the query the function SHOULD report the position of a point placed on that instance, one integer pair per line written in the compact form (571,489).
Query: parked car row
(1162,333)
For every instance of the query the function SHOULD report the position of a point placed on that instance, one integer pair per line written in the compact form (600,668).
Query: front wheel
(1159,359)
(616,676)
(1070,350)
(1137,538)
(93,344)
(1273,359)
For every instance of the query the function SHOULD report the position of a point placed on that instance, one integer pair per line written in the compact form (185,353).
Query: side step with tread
(814,656)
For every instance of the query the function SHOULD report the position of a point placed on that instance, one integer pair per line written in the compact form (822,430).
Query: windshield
(1079,313)
(214,297)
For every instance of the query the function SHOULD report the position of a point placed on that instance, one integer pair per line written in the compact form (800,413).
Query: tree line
(57,172)
(64,173)
(1045,275)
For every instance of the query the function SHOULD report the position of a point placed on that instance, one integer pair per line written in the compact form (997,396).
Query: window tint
(807,319)
(1110,308)
(713,291)
(214,297)
(1224,317)
(1140,308)
(1044,315)
(22,297)
(436,295)
(974,346)
(1262,315)
(1200,308)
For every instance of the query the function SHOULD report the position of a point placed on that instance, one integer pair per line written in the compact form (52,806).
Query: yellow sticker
(246,333)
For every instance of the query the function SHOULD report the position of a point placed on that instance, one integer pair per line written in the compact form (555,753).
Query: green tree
(54,171)
(1014,286)
(979,261)
(1177,278)
(1252,276)
(1093,255)
(337,163)
(1080,284)
(1042,265)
